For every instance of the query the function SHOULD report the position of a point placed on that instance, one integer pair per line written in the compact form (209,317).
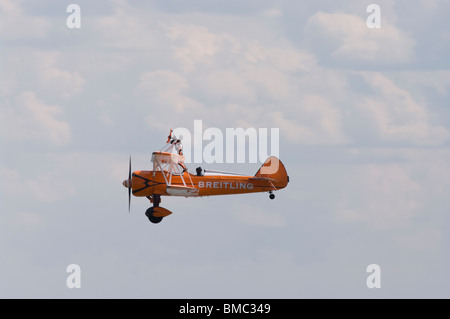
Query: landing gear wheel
(153,219)
(272,196)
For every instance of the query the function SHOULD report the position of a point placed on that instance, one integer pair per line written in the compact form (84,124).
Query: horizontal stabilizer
(262,179)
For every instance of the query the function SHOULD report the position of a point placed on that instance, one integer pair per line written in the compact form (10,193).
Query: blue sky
(364,135)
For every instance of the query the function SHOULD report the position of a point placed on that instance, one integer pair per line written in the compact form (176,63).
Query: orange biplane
(169,177)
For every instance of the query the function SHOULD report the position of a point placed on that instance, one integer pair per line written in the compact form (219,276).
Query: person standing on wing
(172,139)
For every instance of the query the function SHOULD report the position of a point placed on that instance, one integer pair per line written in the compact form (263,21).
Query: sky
(364,127)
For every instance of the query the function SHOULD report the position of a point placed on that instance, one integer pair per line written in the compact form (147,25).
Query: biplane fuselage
(148,183)
(167,179)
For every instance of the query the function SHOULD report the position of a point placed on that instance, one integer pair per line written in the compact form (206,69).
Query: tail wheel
(272,196)
(153,219)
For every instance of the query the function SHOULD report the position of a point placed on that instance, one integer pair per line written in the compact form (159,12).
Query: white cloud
(127,29)
(165,92)
(232,69)
(221,71)
(420,80)
(226,77)
(382,197)
(227,85)
(346,37)
(49,72)
(29,118)
(161,82)
(314,120)
(272,13)
(395,115)
(48,187)
(14,24)
(56,80)
(194,44)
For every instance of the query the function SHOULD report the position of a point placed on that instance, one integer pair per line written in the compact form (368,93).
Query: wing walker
(170,177)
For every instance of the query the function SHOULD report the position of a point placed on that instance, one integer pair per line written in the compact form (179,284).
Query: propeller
(129,187)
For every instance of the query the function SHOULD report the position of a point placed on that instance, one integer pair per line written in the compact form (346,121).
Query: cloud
(27,118)
(127,29)
(15,25)
(45,71)
(272,13)
(382,197)
(165,91)
(56,80)
(196,46)
(395,116)
(314,120)
(220,71)
(346,38)
(46,187)
(135,64)
(439,80)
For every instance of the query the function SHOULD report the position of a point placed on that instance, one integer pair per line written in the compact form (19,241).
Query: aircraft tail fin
(274,169)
